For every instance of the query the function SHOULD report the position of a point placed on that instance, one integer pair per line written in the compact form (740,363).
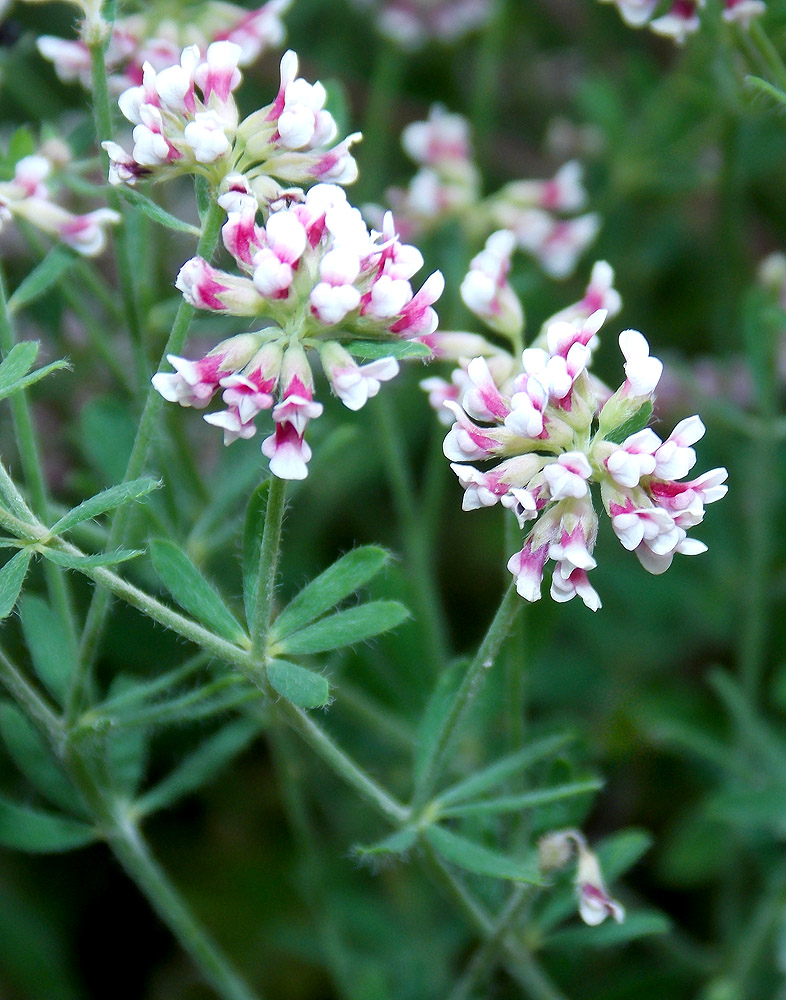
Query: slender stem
(265,584)
(133,853)
(521,965)
(769,53)
(343,765)
(148,423)
(484,958)
(102,112)
(30,700)
(30,458)
(384,88)
(488,64)
(414,530)
(515,655)
(465,695)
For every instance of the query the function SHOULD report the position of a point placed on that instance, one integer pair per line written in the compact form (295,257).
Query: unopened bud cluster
(554,430)
(540,214)
(324,280)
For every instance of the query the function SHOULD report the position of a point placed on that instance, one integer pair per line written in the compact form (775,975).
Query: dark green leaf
(345,628)
(202,765)
(635,925)
(343,578)
(252,540)
(757,734)
(34,758)
(621,851)
(372,350)
(39,832)
(68,561)
(632,425)
(397,843)
(51,647)
(101,503)
(753,808)
(52,268)
(527,800)
(155,212)
(503,769)
(300,686)
(756,83)
(193,592)
(12,576)
(481,860)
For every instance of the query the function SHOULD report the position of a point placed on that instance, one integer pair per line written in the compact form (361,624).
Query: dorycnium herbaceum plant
(283,714)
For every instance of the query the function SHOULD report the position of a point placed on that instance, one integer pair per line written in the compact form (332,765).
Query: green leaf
(201,766)
(101,503)
(300,686)
(12,576)
(33,377)
(527,800)
(52,268)
(51,647)
(193,592)
(25,829)
(17,363)
(756,83)
(481,860)
(757,734)
(372,350)
(752,808)
(34,758)
(343,578)
(636,925)
(22,143)
(252,540)
(345,628)
(155,212)
(397,843)
(82,563)
(620,852)
(632,425)
(504,769)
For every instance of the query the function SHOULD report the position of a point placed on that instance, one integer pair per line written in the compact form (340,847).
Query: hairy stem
(265,585)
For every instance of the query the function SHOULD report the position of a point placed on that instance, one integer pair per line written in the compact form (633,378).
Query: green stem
(30,459)
(102,112)
(520,964)
(148,424)
(265,585)
(133,853)
(769,53)
(465,695)
(486,75)
(343,765)
(483,960)
(415,538)
(384,88)
(31,701)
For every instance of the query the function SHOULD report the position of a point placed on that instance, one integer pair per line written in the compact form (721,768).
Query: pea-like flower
(186,121)
(553,432)
(325,282)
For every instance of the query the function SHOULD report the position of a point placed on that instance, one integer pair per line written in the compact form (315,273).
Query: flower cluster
(555,850)
(413,23)
(143,38)
(553,430)
(486,291)
(186,121)
(321,277)
(541,214)
(682,17)
(29,196)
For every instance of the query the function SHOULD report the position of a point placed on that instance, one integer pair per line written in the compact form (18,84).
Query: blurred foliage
(659,687)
